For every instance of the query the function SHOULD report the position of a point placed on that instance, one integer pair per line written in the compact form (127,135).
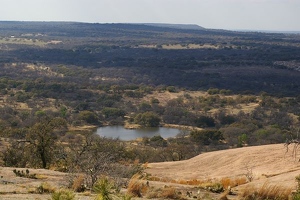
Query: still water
(131,134)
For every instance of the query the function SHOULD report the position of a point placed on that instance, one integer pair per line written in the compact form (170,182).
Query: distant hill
(177,26)
(180,55)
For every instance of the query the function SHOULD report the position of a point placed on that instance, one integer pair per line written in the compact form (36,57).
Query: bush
(78,184)
(228,182)
(135,187)
(113,112)
(212,91)
(226,119)
(89,117)
(296,196)
(158,141)
(216,188)
(205,121)
(171,89)
(267,191)
(148,119)
(63,194)
(206,137)
(23,174)
(104,189)
(45,188)
(169,193)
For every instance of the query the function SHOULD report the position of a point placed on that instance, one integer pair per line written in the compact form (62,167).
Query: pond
(131,134)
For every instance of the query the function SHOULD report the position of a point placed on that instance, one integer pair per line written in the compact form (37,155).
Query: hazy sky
(283,15)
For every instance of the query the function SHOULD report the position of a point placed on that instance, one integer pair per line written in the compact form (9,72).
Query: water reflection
(131,134)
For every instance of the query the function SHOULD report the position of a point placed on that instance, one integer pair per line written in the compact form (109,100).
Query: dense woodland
(232,89)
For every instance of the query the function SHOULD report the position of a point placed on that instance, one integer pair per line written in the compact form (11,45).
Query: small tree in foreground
(40,146)
(42,139)
(294,144)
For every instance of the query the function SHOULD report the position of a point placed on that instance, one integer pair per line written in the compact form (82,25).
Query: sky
(272,15)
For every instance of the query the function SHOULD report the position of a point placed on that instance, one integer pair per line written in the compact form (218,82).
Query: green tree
(158,141)
(89,117)
(144,106)
(171,89)
(113,112)
(148,119)
(42,138)
(242,140)
(205,121)
(206,137)
(226,119)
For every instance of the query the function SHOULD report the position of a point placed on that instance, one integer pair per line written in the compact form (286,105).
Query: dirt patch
(164,97)
(11,184)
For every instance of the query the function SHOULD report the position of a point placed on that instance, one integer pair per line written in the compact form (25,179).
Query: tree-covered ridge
(141,54)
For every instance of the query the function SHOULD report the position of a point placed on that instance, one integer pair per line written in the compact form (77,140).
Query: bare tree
(94,157)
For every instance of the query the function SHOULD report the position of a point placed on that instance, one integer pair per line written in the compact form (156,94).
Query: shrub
(226,119)
(45,188)
(158,141)
(227,182)
(169,193)
(212,186)
(63,194)
(126,197)
(23,174)
(205,121)
(171,89)
(296,196)
(267,191)
(216,188)
(113,112)
(78,184)
(135,187)
(103,188)
(212,91)
(148,119)
(206,137)
(89,117)
(164,193)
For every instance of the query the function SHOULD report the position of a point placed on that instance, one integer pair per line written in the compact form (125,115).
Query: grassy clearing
(22,41)
(181,46)
(190,46)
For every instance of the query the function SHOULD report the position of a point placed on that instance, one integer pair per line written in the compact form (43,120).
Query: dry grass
(22,41)
(46,188)
(78,184)
(136,188)
(169,193)
(191,182)
(267,191)
(164,193)
(195,182)
(226,183)
(233,182)
(41,176)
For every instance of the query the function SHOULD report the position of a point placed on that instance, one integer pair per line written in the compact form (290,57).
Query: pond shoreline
(132,134)
(181,127)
